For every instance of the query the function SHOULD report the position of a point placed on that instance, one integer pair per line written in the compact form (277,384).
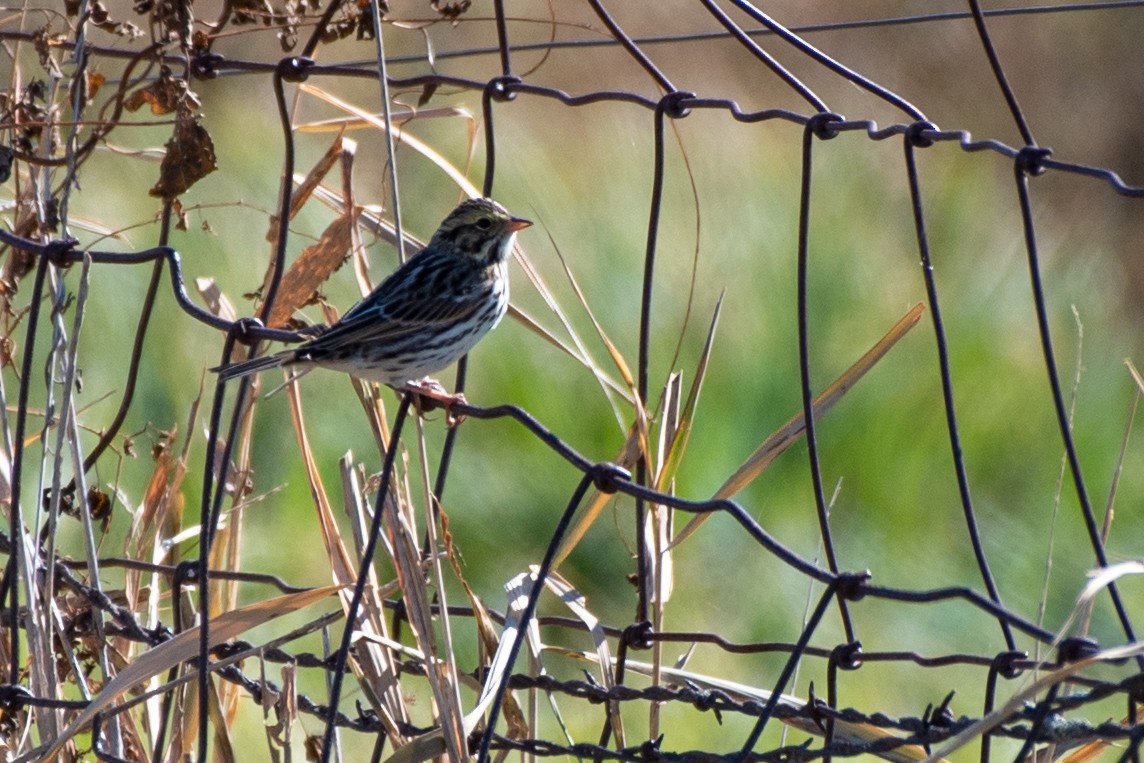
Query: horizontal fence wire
(1054,717)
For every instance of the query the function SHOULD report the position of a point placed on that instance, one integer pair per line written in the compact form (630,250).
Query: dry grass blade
(680,434)
(433,744)
(424,747)
(659,521)
(217,302)
(223,750)
(312,180)
(1099,579)
(409,140)
(517,590)
(44,617)
(401,529)
(342,124)
(450,710)
(368,216)
(373,666)
(659,526)
(577,603)
(1017,703)
(582,353)
(1110,504)
(529,323)
(596,500)
(225,552)
(638,439)
(789,433)
(642,425)
(823,403)
(1083,754)
(183,648)
(486,631)
(160,516)
(1136,377)
(5,477)
(280,712)
(319,260)
(341,566)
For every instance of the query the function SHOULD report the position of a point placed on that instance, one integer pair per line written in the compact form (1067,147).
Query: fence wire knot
(1030,160)
(60,252)
(941,717)
(847,656)
(916,133)
(503,88)
(638,635)
(1075,648)
(295,68)
(186,571)
(205,64)
(851,586)
(246,329)
(1134,686)
(1005,663)
(674,104)
(650,750)
(13,698)
(606,477)
(824,125)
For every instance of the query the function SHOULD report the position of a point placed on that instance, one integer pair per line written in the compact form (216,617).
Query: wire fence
(135,672)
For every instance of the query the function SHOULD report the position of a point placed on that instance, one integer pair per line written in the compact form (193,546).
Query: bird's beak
(513,224)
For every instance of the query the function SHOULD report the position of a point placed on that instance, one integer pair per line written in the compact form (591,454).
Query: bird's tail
(253,366)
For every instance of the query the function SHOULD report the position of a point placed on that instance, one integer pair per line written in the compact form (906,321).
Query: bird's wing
(380,321)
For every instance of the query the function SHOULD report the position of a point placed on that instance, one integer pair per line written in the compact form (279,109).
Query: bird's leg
(429,395)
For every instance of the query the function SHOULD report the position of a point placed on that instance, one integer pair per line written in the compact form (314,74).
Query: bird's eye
(484,223)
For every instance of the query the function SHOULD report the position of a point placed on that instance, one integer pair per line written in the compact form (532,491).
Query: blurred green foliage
(730,215)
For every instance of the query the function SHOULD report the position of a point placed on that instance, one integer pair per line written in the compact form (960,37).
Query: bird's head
(480,228)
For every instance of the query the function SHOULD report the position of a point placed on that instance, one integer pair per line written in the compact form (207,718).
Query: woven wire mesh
(782,174)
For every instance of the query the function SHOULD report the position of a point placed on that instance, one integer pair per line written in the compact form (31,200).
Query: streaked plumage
(427,314)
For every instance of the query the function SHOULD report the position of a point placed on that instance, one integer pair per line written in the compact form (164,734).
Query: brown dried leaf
(43,41)
(311,182)
(190,157)
(100,505)
(165,95)
(251,11)
(157,486)
(95,81)
(451,9)
(311,269)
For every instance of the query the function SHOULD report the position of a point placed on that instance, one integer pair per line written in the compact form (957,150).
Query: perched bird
(427,314)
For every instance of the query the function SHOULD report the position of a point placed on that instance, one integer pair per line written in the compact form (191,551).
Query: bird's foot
(429,395)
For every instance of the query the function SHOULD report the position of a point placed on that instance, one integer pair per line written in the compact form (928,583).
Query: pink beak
(513,224)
